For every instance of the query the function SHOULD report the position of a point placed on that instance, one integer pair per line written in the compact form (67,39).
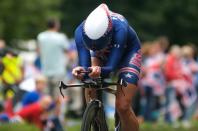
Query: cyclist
(106,43)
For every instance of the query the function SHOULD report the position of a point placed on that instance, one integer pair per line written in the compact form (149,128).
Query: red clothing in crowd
(173,68)
(32,113)
(8,108)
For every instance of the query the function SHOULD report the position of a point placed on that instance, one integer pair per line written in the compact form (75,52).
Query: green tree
(176,19)
(23,19)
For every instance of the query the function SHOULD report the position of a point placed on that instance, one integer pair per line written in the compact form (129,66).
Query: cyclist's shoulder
(79,30)
(119,22)
(118,18)
(116,15)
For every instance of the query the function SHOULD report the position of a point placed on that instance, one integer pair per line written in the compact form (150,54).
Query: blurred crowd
(29,81)
(29,86)
(168,85)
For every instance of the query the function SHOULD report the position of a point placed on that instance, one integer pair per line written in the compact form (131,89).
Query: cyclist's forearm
(105,71)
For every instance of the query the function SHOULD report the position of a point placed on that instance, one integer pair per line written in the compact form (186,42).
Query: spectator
(191,68)
(12,73)
(188,53)
(33,113)
(52,47)
(153,82)
(173,71)
(180,93)
(34,96)
(163,43)
(2,46)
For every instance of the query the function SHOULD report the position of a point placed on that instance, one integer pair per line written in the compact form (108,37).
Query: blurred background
(22,20)
(167,95)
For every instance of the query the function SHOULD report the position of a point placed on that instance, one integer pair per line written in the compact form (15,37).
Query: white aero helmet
(97,28)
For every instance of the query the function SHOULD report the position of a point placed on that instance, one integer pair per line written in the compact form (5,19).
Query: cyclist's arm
(120,37)
(83,53)
(117,52)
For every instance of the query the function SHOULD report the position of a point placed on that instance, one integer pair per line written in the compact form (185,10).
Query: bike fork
(117,122)
(118,127)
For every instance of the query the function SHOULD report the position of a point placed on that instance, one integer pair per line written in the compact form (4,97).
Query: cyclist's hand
(76,73)
(95,71)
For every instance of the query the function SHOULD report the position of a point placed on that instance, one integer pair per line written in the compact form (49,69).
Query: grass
(18,127)
(166,127)
(148,127)
(74,125)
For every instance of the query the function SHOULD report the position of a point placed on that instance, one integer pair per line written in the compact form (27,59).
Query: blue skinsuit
(122,54)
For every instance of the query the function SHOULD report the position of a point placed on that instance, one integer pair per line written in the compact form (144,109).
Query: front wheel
(94,117)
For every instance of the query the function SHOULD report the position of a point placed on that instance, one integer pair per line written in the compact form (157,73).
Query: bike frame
(100,85)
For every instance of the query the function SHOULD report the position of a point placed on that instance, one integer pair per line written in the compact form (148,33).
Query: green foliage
(177,19)
(21,19)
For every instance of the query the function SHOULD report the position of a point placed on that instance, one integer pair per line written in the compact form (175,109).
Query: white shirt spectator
(52,46)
